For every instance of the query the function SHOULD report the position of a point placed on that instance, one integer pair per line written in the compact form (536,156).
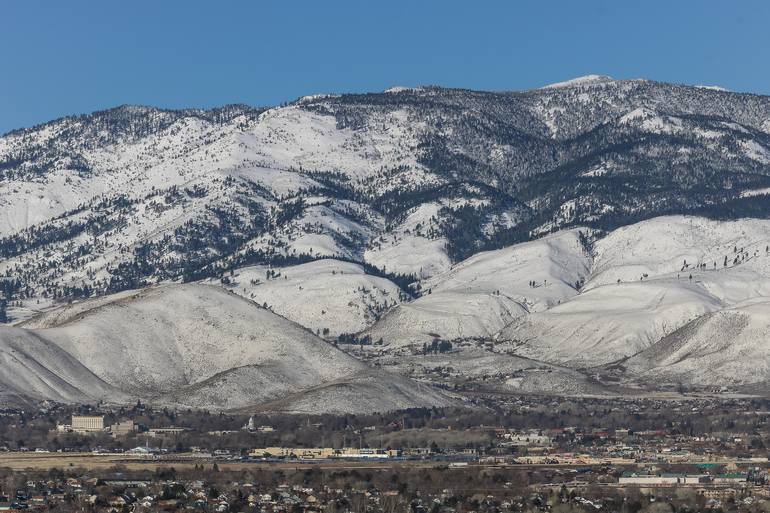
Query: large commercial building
(87,423)
(311,453)
(630,478)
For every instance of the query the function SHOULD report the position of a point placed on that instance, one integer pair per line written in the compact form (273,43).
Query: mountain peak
(580,81)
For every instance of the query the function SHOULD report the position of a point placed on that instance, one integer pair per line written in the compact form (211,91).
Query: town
(509,453)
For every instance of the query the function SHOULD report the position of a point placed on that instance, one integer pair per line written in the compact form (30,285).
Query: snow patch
(586,80)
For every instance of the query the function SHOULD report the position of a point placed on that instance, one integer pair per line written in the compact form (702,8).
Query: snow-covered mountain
(407,181)
(544,235)
(195,346)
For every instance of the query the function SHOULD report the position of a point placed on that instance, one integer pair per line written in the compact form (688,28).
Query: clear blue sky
(67,57)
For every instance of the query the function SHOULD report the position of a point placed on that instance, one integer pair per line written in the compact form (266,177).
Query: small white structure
(250,427)
(662,479)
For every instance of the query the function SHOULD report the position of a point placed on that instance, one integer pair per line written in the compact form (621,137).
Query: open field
(44,461)
(40,461)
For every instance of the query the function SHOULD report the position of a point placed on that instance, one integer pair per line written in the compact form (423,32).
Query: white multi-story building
(87,423)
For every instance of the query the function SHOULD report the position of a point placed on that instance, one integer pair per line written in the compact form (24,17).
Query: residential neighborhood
(509,454)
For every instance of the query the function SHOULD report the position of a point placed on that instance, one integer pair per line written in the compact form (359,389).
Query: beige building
(123,428)
(309,453)
(302,453)
(166,431)
(87,423)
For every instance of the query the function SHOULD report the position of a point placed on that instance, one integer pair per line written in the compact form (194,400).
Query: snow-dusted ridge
(586,80)
(713,88)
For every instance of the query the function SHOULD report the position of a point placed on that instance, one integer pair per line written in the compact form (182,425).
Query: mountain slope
(648,306)
(194,346)
(722,349)
(479,296)
(674,299)
(327,296)
(608,323)
(35,369)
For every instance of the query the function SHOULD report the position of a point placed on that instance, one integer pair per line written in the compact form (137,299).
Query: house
(118,501)
(622,432)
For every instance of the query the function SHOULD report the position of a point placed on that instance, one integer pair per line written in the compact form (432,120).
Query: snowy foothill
(192,346)
(554,300)
(329,297)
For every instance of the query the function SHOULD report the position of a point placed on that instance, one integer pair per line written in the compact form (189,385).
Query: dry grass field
(44,461)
